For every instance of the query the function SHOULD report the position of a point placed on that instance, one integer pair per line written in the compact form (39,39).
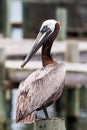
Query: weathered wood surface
(3,114)
(72,56)
(61,15)
(50,124)
(73,99)
(76,72)
(22,47)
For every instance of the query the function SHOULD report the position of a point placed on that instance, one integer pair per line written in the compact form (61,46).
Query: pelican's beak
(42,37)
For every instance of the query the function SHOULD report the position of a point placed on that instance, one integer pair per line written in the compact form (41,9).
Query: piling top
(50,124)
(51,119)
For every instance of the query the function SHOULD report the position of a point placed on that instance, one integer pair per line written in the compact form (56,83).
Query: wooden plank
(73,79)
(77,29)
(76,72)
(33,65)
(15,23)
(12,47)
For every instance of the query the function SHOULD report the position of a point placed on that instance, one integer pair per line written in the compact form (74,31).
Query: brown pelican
(44,86)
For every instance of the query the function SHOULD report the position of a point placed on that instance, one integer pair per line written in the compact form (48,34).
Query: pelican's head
(50,24)
(46,30)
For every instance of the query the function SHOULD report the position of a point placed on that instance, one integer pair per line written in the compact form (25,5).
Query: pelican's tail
(29,119)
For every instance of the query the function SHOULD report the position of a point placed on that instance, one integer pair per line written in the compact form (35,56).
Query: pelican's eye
(45,29)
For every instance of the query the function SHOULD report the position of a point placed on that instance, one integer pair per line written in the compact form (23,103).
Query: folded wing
(34,93)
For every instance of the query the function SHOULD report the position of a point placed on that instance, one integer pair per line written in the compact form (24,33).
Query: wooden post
(61,15)
(72,52)
(50,124)
(3,114)
(2,16)
(5,17)
(8,25)
(60,105)
(72,55)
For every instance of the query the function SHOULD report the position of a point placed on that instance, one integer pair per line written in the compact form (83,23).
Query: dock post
(50,124)
(5,27)
(3,113)
(2,16)
(61,16)
(8,24)
(72,55)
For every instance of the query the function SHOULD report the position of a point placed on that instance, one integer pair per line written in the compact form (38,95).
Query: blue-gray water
(14,125)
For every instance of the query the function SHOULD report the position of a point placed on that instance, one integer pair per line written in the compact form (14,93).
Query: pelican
(45,85)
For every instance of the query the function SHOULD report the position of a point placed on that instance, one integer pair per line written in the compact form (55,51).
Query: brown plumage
(44,86)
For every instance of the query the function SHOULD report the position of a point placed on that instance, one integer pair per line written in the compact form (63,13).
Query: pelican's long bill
(42,36)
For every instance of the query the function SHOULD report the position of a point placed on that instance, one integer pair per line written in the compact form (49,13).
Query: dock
(76,73)
(16,51)
(22,47)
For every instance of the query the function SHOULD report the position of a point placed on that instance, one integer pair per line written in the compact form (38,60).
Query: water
(14,125)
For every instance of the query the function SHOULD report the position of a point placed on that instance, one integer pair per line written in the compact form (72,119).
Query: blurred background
(20,21)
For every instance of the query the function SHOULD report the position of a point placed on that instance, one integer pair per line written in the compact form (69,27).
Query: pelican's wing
(38,88)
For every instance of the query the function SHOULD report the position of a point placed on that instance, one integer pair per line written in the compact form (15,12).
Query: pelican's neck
(46,55)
